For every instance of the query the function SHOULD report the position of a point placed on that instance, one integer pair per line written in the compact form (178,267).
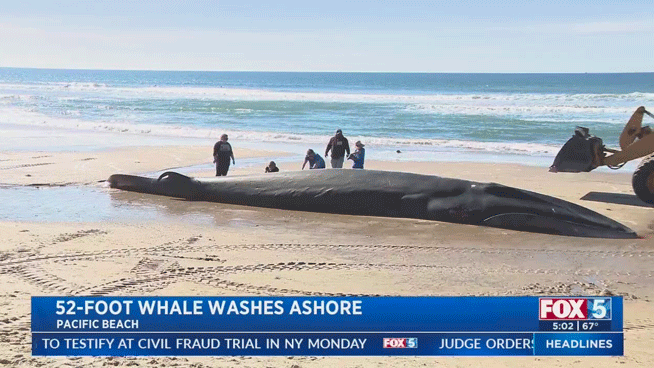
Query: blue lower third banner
(326,326)
(332,344)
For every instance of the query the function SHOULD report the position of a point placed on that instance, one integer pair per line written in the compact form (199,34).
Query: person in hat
(358,156)
(314,160)
(339,145)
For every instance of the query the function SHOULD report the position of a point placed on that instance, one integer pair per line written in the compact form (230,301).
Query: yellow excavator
(585,152)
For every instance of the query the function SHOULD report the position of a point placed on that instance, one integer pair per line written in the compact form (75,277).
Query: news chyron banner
(327,326)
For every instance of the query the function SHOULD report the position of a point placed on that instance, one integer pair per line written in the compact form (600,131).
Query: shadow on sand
(617,198)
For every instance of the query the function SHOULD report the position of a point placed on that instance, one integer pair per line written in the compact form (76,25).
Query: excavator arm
(638,149)
(636,141)
(585,152)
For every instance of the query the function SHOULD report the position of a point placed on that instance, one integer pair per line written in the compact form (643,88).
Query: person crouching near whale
(358,156)
(314,160)
(222,152)
(272,167)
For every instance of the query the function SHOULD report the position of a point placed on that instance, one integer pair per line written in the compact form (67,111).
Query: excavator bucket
(581,153)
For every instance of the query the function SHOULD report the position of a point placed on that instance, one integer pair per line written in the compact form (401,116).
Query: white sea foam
(536,107)
(21,117)
(116,109)
(545,113)
(226,93)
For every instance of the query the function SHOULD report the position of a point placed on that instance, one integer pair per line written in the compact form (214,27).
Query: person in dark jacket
(339,146)
(272,167)
(222,152)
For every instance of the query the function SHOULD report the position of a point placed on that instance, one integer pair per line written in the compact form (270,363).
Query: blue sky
(387,36)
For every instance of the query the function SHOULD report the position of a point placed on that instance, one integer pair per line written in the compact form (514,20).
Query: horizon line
(305,71)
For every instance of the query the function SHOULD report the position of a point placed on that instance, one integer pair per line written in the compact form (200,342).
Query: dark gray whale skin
(391,194)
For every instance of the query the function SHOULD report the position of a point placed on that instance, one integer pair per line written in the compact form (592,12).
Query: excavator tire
(643,180)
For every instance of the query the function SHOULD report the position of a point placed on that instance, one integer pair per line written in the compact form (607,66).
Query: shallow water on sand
(89,204)
(69,204)
(100,204)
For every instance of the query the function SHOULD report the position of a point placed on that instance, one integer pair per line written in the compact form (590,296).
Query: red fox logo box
(574,308)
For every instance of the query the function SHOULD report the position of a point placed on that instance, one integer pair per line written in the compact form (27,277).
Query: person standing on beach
(314,160)
(222,152)
(339,145)
(358,156)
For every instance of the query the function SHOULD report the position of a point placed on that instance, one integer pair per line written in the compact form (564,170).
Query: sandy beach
(210,249)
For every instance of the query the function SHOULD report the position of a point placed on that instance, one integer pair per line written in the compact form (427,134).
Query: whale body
(389,194)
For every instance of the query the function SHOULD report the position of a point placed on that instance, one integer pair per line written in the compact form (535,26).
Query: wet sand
(196,248)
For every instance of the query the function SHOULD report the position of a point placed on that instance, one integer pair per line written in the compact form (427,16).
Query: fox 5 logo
(400,342)
(574,308)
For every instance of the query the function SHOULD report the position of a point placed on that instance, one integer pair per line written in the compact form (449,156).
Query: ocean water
(499,117)
(522,118)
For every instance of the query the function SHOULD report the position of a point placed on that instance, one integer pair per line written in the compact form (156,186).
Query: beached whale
(391,194)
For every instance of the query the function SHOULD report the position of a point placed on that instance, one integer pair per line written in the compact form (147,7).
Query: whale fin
(173,176)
